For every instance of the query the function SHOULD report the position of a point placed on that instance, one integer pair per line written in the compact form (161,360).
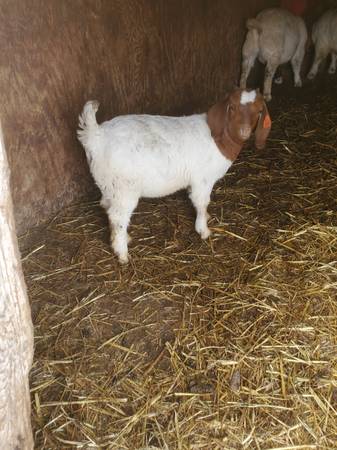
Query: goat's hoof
(123,259)
(267,97)
(278,80)
(311,76)
(332,71)
(298,84)
(205,234)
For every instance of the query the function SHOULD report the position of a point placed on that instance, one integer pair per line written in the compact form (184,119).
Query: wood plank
(16,329)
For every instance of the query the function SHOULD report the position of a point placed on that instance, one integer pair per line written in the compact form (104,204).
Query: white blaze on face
(247,97)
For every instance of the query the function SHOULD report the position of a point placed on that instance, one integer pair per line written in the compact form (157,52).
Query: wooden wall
(153,56)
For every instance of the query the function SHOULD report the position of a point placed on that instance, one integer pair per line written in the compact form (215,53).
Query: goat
(134,156)
(275,37)
(324,37)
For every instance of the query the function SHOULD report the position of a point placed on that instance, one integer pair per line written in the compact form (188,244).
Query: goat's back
(325,30)
(281,33)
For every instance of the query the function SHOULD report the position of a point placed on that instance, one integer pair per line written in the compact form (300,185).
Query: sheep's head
(233,120)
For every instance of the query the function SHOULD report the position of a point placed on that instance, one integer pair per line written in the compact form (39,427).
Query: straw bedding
(224,344)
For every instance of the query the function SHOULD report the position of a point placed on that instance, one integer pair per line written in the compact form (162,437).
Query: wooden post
(16,329)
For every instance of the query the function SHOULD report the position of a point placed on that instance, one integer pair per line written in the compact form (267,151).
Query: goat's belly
(155,188)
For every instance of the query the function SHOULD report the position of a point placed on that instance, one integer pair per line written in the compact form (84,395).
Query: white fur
(137,156)
(324,37)
(247,97)
(275,37)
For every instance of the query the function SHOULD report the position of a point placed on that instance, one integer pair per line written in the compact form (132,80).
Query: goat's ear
(263,128)
(216,118)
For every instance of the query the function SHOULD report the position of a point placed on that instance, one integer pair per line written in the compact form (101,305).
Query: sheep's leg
(296,63)
(268,79)
(247,65)
(332,68)
(119,213)
(320,54)
(200,197)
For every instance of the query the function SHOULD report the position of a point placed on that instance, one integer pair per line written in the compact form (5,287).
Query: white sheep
(135,156)
(275,37)
(324,37)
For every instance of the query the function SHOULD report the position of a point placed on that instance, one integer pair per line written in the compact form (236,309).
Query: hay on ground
(224,344)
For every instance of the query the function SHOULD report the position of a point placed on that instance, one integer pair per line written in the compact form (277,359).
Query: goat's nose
(245,131)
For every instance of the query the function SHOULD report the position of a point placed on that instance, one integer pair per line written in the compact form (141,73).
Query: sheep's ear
(216,118)
(263,128)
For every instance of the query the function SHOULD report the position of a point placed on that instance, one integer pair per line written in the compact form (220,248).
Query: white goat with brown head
(137,156)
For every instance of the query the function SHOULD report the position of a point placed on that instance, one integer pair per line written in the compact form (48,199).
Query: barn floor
(224,344)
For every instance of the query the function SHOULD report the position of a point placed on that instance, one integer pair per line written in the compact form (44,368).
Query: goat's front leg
(200,196)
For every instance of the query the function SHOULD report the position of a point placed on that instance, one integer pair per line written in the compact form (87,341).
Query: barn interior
(228,343)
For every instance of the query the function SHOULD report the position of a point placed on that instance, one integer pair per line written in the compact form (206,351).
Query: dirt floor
(224,344)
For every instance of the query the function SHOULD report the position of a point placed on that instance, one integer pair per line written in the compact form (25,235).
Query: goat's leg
(332,67)
(278,77)
(104,203)
(268,79)
(119,213)
(296,63)
(250,51)
(200,197)
(247,65)
(320,54)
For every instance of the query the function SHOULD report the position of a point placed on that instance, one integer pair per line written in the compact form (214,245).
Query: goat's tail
(254,24)
(87,121)
(88,117)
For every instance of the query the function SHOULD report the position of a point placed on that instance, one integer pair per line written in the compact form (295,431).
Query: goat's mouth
(245,133)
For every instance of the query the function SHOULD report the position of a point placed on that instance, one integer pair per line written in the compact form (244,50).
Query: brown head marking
(233,120)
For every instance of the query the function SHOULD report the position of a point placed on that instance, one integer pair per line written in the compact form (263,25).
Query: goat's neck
(227,146)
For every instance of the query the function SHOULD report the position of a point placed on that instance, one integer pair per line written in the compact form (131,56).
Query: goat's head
(233,120)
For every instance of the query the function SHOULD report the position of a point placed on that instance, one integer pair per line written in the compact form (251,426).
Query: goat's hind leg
(249,53)
(247,64)
(268,79)
(296,63)
(332,67)
(320,54)
(119,213)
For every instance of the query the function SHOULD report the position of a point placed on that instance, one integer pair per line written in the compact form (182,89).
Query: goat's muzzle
(245,131)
